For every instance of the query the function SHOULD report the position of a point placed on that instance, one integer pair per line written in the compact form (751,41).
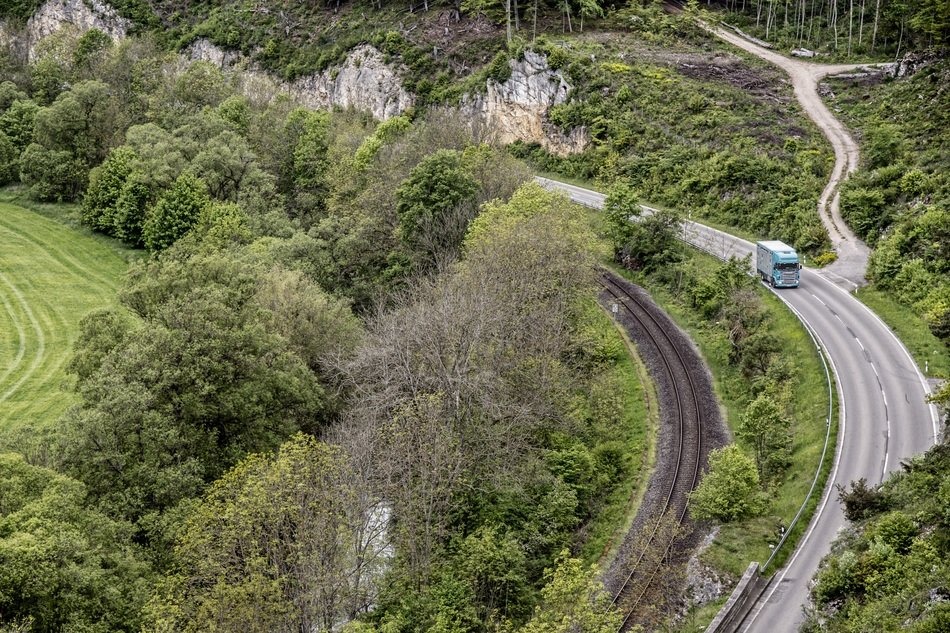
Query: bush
(861,501)
(730,490)
(499,69)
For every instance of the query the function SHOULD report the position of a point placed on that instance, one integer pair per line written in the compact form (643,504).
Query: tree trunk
(877,14)
(861,25)
(850,25)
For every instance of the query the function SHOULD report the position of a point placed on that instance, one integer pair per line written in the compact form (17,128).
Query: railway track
(683,415)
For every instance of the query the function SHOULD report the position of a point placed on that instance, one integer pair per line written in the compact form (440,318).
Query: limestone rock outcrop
(516,109)
(513,110)
(364,82)
(82,15)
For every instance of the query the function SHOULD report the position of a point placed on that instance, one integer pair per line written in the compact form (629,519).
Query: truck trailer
(777,264)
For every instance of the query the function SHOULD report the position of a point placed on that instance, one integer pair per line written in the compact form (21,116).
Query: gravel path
(852,252)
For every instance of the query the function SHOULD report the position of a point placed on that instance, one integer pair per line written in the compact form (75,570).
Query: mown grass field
(50,277)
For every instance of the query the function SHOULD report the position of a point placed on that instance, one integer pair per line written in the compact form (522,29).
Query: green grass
(929,352)
(605,532)
(50,276)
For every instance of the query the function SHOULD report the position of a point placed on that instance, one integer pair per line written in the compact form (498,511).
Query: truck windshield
(787,266)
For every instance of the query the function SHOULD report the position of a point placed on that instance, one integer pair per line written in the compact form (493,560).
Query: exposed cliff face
(516,110)
(81,15)
(364,82)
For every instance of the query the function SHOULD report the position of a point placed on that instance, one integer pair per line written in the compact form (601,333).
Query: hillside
(889,571)
(357,373)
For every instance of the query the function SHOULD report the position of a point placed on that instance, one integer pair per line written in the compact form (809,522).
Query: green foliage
(898,200)
(106,185)
(573,601)
(499,70)
(861,502)
(885,28)
(677,138)
(9,160)
(426,202)
(730,490)
(766,429)
(271,547)
(175,212)
(63,564)
(884,573)
(204,378)
(70,137)
(17,122)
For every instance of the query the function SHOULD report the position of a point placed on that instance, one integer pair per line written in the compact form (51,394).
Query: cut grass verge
(929,352)
(50,277)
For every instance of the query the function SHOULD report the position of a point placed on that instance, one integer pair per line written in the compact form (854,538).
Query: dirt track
(852,252)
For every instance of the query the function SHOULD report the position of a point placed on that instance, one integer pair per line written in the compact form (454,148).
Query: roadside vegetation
(889,570)
(775,395)
(719,136)
(899,201)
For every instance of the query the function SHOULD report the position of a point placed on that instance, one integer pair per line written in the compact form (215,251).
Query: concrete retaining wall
(743,598)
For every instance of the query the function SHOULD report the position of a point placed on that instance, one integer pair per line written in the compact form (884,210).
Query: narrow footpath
(852,252)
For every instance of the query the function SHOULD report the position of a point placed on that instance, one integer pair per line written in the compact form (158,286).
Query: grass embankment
(50,276)
(928,351)
(631,382)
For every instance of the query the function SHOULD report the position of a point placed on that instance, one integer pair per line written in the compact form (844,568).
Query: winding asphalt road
(883,414)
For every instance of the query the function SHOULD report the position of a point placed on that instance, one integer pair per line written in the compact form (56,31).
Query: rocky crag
(516,109)
(81,15)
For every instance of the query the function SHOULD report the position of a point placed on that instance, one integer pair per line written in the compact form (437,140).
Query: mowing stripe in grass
(63,258)
(20,344)
(40,337)
(51,275)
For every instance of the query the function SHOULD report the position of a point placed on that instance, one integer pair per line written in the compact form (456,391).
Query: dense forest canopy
(308,275)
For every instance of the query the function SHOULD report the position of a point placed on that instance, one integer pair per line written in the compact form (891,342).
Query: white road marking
(815,520)
(861,344)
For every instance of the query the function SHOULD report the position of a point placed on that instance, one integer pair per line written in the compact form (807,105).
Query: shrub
(730,490)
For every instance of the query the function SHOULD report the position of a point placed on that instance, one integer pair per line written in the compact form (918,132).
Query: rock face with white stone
(81,15)
(516,109)
(364,82)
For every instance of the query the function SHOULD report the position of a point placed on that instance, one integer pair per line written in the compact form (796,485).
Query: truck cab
(777,264)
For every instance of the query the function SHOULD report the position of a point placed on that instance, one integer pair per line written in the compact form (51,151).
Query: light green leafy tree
(273,546)
(64,565)
(766,428)
(573,601)
(730,490)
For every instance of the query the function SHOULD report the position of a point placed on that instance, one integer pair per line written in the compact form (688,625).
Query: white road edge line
(832,476)
(920,375)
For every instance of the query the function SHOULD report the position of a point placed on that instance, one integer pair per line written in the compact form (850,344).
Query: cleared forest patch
(50,277)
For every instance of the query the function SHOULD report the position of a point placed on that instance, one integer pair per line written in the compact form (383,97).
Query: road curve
(852,252)
(883,414)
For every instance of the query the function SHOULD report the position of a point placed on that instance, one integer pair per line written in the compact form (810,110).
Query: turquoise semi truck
(777,264)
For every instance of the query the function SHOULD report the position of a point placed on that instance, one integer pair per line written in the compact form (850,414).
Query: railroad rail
(685,420)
